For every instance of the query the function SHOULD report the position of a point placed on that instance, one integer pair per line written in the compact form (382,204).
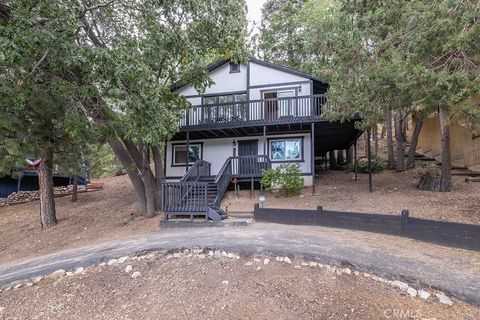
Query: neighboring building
(256,115)
(464,143)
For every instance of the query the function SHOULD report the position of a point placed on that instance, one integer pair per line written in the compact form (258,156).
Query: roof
(217,64)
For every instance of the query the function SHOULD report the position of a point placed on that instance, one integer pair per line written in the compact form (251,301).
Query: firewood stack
(27,196)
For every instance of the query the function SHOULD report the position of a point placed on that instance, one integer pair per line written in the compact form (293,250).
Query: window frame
(234,67)
(184,144)
(285,139)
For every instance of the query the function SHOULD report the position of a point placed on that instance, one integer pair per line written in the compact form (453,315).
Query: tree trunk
(382,134)
(350,155)
(75,188)
(340,158)
(446,176)
(405,127)
(365,137)
(400,164)
(132,171)
(388,128)
(414,141)
(375,139)
(149,182)
(159,175)
(118,167)
(333,161)
(48,215)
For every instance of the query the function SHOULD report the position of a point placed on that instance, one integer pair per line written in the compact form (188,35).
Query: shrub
(424,168)
(287,178)
(378,165)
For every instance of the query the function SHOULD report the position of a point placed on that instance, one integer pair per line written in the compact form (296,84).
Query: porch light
(261,199)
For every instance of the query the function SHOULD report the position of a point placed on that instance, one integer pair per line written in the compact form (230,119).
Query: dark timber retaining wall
(452,234)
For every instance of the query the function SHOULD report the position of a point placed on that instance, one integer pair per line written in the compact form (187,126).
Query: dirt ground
(204,287)
(392,192)
(96,217)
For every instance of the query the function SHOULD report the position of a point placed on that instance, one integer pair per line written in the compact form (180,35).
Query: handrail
(263,100)
(197,170)
(222,180)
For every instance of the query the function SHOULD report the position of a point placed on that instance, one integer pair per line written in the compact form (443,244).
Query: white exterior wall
(216,151)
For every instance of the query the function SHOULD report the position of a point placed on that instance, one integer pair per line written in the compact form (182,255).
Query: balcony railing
(264,111)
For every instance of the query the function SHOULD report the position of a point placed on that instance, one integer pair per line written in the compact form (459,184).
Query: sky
(254,11)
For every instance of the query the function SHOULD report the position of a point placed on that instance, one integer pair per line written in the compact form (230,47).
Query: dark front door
(247,150)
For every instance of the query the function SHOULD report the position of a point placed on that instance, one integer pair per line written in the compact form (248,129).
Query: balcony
(256,113)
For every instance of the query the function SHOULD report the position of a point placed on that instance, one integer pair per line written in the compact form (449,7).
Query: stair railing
(184,197)
(199,168)
(222,180)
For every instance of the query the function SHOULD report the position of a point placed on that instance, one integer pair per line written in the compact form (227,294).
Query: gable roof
(217,64)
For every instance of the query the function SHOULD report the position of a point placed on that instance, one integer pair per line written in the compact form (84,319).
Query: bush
(427,168)
(287,178)
(378,165)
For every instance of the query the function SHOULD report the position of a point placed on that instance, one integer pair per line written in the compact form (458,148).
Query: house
(256,115)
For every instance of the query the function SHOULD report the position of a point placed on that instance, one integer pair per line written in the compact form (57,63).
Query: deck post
(355,163)
(264,140)
(187,151)
(251,188)
(312,152)
(369,144)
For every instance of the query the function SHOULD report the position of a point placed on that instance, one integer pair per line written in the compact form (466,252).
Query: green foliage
(287,178)
(378,165)
(102,161)
(423,168)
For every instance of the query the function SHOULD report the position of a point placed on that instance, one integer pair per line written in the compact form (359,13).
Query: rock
(29,284)
(224,254)
(201,256)
(57,274)
(123,259)
(79,270)
(18,286)
(128,269)
(37,279)
(297,267)
(225,282)
(258,268)
(210,253)
(444,299)
(412,292)
(102,264)
(197,251)
(320,265)
(401,285)
(287,260)
(424,295)
(356,273)
(304,264)
(279,259)
(248,264)
(338,272)
(366,275)
(256,260)
(217,253)
(136,274)
(312,264)
(111,262)
(333,269)
(347,271)
(186,251)
(69,273)
(231,255)
(266,261)
(177,255)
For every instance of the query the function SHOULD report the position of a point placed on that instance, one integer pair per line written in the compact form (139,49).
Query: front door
(246,164)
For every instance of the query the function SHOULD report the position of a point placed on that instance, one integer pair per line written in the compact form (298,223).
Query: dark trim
(287,138)
(311,87)
(248,81)
(228,93)
(173,177)
(279,89)
(235,64)
(278,84)
(184,144)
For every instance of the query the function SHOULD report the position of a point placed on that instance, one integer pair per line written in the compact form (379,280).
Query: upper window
(234,67)
(286,149)
(180,154)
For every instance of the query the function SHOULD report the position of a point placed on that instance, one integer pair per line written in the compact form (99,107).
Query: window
(286,149)
(228,107)
(180,155)
(234,67)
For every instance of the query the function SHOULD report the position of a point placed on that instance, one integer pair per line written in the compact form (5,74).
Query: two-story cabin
(256,115)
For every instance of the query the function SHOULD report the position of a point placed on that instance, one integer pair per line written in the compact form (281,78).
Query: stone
(279,259)
(69,273)
(266,261)
(7,288)
(259,268)
(225,282)
(210,253)
(424,295)
(123,259)
(201,256)
(444,299)
(356,273)
(177,255)
(37,279)
(57,274)
(256,260)
(297,267)
(197,251)
(186,251)
(287,260)
(29,284)
(412,292)
(102,264)
(217,253)
(320,265)
(338,272)
(224,254)
(128,269)
(366,275)
(18,286)
(347,271)
(79,270)
(136,274)
(231,255)
(248,264)
(401,285)
(111,262)
(304,264)
(312,264)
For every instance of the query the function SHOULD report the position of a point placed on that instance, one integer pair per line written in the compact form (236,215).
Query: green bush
(287,178)
(424,168)
(378,164)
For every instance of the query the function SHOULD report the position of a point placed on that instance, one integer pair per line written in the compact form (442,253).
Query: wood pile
(28,196)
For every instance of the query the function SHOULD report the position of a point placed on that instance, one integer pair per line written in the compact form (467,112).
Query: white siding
(216,151)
